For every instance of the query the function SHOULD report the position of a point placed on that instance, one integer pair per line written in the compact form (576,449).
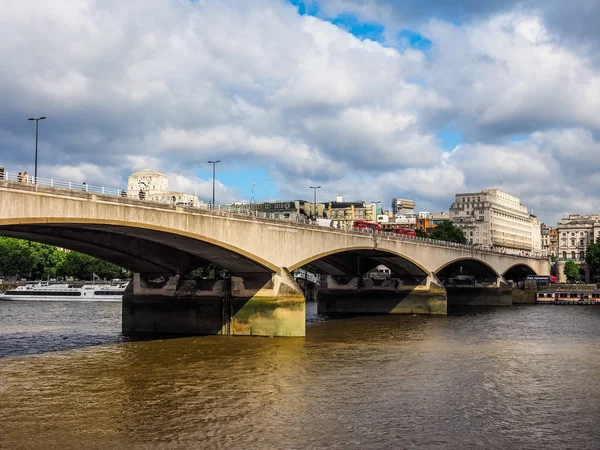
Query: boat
(43,291)
(569,297)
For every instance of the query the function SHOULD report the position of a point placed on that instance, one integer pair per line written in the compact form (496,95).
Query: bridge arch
(469,266)
(139,247)
(331,261)
(518,271)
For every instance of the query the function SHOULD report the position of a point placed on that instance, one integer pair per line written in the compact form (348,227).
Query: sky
(370,99)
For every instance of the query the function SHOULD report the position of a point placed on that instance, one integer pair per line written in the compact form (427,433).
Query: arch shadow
(467,271)
(518,272)
(136,246)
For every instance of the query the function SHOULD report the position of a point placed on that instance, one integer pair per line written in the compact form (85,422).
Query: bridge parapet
(95,193)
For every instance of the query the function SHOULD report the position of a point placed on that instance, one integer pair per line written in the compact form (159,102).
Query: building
(549,237)
(402,206)
(575,233)
(494,219)
(343,214)
(149,181)
(152,185)
(553,246)
(428,222)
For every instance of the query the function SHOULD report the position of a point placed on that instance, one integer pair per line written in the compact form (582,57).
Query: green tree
(572,271)
(47,259)
(447,231)
(16,258)
(209,271)
(592,257)
(39,261)
(421,233)
(78,265)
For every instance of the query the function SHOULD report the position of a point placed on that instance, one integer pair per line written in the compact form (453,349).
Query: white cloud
(258,85)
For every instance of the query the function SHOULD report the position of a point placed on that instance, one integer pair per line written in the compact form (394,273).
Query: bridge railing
(58,184)
(240,210)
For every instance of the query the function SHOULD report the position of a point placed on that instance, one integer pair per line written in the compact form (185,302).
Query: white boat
(43,291)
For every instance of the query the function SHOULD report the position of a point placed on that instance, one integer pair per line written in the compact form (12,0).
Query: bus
(403,231)
(363,225)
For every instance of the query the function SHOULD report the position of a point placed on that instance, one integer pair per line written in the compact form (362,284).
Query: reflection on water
(514,378)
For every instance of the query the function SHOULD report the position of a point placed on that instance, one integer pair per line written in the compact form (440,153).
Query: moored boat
(43,291)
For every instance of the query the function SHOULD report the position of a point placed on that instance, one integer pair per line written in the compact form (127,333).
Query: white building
(494,219)
(149,181)
(154,186)
(575,233)
(402,206)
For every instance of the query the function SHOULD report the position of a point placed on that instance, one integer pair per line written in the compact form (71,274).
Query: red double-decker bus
(402,231)
(363,225)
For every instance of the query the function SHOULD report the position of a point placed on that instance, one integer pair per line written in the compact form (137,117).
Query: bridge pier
(258,304)
(498,294)
(391,297)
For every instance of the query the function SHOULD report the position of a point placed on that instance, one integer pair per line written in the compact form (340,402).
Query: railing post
(51,182)
(70,185)
(103,190)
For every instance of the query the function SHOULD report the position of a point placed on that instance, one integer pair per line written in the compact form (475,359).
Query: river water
(506,378)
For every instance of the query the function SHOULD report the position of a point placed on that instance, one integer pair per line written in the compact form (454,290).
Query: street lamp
(214,163)
(314,188)
(37,121)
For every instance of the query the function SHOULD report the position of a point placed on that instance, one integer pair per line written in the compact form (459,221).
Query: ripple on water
(525,377)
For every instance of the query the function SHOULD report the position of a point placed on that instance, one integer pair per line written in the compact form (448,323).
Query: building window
(572,242)
(564,255)
(582,255)
(572,255)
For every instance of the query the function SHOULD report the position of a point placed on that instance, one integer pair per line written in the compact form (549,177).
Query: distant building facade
(495,219)
(575,232)
(343,214)
(152,185)
(402,206)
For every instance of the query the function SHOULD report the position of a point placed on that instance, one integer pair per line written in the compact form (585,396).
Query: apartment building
(495,219)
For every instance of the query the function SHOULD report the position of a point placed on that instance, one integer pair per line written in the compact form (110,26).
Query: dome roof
(147,173)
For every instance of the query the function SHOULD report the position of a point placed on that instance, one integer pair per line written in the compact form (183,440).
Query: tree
(572,271)
(592,257)
(84,267)
(39,261)
(16,258)
(421,233)
(447,231)
(210,271)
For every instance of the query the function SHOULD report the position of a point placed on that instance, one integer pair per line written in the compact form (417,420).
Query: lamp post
(214,163)
(314,188)
(37,122)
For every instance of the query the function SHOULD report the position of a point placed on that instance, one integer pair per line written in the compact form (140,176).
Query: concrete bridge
(160,243)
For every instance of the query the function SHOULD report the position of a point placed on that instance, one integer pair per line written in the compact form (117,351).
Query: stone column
(498,294)
(390,297)
(246,305)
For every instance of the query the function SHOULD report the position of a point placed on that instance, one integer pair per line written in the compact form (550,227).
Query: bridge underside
(471,282)
(254,300)
(409,289)
(136,249)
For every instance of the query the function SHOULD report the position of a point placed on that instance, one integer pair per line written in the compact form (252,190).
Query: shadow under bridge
(372,281)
